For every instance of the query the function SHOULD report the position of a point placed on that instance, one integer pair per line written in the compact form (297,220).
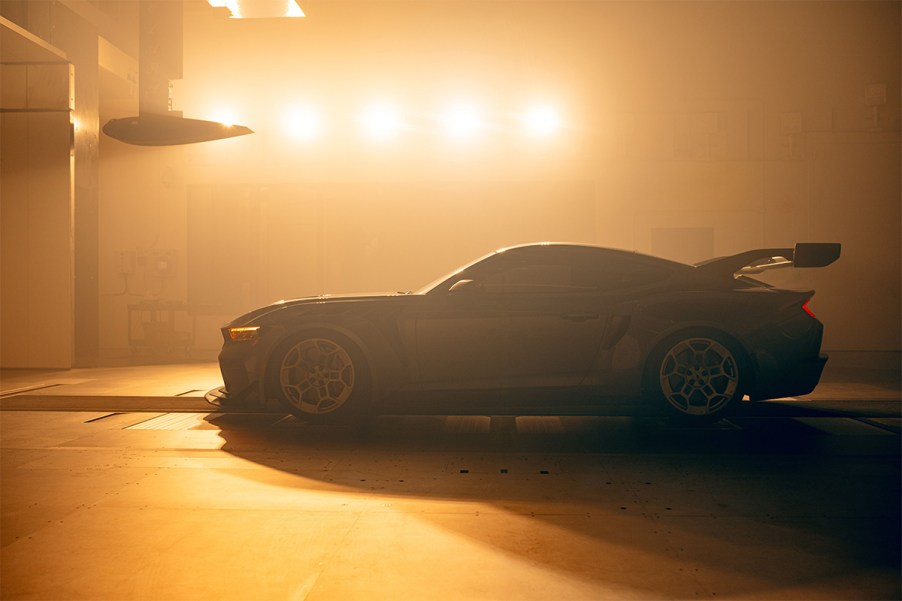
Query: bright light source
(226,116)
(259,9)
(541,120)
(303,123)
(462,120)
(381,120)
(293,10)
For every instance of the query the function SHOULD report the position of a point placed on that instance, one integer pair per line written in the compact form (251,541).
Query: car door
(460,339)
(537,317)
(525,318)
(554,322)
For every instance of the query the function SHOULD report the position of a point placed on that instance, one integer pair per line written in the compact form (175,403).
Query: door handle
(579,316)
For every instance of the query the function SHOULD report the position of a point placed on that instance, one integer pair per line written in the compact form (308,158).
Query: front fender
(385,367)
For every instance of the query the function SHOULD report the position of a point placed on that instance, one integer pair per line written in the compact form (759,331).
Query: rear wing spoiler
(805,254)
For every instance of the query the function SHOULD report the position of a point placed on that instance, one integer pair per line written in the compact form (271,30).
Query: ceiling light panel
(259,9)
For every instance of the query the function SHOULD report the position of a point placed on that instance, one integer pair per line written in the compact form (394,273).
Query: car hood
(311,302)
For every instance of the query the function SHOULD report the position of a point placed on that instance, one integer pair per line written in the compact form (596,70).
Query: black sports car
(538,329)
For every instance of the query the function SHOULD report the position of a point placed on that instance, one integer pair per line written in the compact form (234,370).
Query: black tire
(696,376)
(319,377)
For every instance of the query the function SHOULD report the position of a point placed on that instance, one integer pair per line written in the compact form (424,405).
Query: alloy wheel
(317,376)
(699,376)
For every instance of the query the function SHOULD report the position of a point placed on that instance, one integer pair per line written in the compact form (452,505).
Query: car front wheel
(319,378)
(697,377)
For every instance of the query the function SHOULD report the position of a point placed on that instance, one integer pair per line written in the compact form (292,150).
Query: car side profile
(550,329)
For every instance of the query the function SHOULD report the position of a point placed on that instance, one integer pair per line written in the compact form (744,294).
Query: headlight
(243,333)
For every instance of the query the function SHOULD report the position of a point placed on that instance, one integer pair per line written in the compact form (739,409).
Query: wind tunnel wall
(689,129)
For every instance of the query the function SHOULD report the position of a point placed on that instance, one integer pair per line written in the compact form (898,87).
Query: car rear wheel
(698,377)
(319,378)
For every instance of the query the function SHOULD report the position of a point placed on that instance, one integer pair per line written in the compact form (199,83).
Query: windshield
(437,282)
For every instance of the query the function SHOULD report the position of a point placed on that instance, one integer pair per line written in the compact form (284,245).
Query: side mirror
(465,287)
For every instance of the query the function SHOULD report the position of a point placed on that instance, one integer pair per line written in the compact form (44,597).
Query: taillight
(806,309)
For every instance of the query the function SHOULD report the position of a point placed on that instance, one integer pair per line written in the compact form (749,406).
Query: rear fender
(701,328)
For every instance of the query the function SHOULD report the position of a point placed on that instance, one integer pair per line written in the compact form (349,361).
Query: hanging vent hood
(159,61)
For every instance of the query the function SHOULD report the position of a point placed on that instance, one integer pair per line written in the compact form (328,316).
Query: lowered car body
(538,329)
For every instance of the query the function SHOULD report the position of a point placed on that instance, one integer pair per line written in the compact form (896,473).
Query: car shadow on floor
(795,504)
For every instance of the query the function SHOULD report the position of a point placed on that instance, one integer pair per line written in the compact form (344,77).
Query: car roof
(567,247)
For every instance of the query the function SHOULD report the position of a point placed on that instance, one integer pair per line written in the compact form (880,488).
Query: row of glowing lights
(384,121)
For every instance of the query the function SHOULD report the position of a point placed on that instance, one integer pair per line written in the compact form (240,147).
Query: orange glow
(245,333)
(462,120)
(541,120)
(381,120)
(304,123)
(224,115)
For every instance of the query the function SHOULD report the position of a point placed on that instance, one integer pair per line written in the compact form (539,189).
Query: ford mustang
(551,329)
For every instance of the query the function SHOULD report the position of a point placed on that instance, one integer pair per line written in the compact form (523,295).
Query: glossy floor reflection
(144,505)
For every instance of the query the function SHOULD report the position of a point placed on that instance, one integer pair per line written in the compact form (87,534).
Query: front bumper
(221,397)
(217,396)
(238,365)
(243,368)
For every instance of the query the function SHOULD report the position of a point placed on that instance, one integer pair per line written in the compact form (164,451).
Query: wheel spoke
(716,371)
(317,376)
(698,376)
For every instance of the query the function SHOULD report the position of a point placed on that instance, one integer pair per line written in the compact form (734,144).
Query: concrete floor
(124,484)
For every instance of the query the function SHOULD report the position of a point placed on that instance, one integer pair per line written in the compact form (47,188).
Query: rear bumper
(801,379)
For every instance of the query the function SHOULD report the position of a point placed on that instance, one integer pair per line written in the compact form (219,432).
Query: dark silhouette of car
(541,329)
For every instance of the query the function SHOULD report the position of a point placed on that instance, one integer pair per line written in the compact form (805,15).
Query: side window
(568,274)
(526,278)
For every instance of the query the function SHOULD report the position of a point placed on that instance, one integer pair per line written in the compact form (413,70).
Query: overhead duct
(169,130)
(159,62)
